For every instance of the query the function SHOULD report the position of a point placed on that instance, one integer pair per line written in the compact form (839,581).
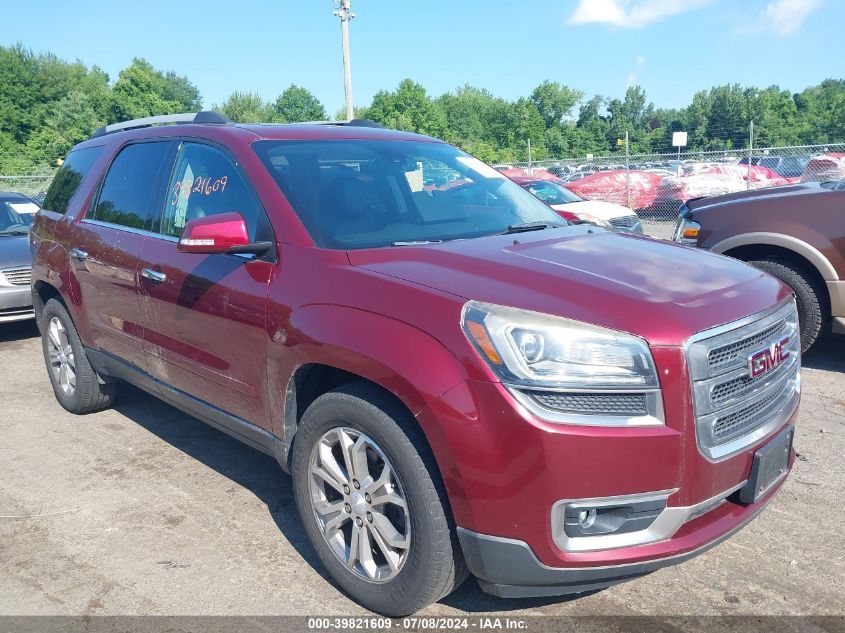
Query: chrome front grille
(737,422)
(732,355)
(733,408)
(625,223)
(17,276)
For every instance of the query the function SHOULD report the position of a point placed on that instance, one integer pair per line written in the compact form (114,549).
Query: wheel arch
(788,247)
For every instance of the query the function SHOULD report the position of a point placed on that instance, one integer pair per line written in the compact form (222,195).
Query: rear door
(108,240)
(204,315)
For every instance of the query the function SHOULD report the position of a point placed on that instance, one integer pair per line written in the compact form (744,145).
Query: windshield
(354,194)
(551,192)
(16,216)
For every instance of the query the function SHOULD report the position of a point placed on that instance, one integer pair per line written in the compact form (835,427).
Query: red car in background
(825,168)
(714,181)
(613,186)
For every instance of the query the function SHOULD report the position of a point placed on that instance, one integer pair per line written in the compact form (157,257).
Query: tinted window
(552,193)
(69,177)
(204,183)
(128,193)
(364,193)
(16,214)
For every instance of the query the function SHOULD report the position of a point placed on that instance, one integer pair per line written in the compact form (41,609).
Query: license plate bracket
(769,467)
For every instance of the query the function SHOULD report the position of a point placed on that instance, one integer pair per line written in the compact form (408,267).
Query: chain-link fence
(34,186)
(655,185)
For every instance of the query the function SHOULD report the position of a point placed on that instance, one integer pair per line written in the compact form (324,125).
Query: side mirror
(221,233)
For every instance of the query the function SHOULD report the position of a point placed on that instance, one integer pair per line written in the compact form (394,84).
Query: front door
(204,315)
(109,239)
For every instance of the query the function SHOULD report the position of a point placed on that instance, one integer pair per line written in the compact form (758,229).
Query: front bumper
(15,303)
(508,568)
(507,471)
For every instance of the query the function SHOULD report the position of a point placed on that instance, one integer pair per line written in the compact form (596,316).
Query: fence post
(530,170)
(750,153)
(627,172)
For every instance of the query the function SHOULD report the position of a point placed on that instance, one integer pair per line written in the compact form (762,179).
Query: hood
(14,251)
(602,210)
(658,290)
(759,195)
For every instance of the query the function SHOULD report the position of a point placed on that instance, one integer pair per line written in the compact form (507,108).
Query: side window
(69,177)
(128,193)
(205,182)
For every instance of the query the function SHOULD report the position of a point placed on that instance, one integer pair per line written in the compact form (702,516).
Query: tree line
(47,105)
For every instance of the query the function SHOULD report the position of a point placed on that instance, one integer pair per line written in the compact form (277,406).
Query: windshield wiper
(527,226)
(14,233)
(415,242)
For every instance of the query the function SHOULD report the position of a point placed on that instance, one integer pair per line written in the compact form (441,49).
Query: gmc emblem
(769,358)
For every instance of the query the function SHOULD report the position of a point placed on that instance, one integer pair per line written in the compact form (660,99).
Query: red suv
(457,380)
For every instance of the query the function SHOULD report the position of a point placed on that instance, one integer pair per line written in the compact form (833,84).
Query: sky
(672,48)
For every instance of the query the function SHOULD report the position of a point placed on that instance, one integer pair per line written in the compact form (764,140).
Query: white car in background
(575,209)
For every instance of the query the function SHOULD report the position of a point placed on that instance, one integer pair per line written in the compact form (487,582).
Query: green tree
(246,107)
(554,101)
(408,108)
(297,104)
(141,91)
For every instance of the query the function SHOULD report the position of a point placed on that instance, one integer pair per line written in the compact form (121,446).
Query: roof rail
(205,116)
(348,122)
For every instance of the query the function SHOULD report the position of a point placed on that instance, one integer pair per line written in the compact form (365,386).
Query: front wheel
(372,505)
(809,297)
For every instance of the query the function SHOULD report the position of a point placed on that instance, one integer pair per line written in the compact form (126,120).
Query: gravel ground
(144,510)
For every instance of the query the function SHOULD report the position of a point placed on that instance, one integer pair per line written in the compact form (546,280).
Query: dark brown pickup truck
(796,233)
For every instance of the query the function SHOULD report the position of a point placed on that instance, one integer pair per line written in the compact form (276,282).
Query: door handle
(78,254)
(153,275)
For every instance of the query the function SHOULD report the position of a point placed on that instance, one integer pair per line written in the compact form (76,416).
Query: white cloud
(639,62)
(631,14)
(785,17)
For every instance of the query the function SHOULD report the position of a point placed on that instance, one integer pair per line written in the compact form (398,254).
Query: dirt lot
(143,510)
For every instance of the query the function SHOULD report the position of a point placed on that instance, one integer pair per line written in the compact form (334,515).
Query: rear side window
(128,194)
(69,177)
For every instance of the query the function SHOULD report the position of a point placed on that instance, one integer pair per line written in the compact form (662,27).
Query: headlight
(530,349)
(686,231)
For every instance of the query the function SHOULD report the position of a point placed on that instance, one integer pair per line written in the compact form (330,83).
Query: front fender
(404,360)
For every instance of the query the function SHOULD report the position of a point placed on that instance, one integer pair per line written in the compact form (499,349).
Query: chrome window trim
(664,527)
(654,404)
(129,229)
(698,365)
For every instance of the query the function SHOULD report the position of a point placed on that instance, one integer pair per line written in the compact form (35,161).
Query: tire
(809,295)
(78,389)
(432,565)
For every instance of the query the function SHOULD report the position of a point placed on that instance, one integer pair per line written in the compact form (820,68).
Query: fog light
(586,518)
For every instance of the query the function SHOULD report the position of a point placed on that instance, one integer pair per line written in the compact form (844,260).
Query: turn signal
(482,339)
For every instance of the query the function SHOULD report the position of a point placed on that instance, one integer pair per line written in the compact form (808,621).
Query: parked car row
(658,189)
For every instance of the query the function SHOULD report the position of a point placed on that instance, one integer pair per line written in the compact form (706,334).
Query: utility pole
(345,14)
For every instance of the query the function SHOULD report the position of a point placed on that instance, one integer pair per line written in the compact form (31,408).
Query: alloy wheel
(62,363)
(359,504)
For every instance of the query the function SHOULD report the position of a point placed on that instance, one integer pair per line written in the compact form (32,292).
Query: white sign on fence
(679,139)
